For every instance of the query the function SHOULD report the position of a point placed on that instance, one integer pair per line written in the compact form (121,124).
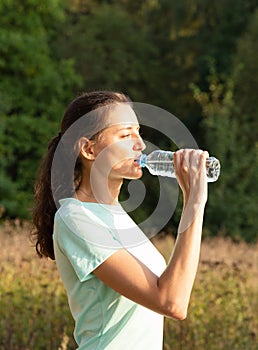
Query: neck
(99,191)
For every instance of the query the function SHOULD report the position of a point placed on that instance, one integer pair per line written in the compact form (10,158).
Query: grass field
(223,312)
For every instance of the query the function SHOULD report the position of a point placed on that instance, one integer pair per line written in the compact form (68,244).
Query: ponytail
(44,205)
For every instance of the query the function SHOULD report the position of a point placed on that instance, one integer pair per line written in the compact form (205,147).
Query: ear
(86,148)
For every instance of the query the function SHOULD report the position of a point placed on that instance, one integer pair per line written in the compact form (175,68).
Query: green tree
(109,54)
(231,208)
(190,35)
(245,74)
(33,89)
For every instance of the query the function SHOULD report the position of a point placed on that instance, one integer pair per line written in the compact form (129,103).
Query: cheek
(124,156)
(120,150)
(116,155)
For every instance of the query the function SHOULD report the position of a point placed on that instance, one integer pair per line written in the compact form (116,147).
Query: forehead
(122,114)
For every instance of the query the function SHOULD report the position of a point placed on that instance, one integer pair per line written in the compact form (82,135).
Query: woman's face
(119,145)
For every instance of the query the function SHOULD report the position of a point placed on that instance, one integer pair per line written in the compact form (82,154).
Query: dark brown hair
(45,205)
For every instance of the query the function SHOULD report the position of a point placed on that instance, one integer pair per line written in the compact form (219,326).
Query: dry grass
(224,303)
(222,313)
(219,251)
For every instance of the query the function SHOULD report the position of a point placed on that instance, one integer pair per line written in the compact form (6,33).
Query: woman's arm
(168,294)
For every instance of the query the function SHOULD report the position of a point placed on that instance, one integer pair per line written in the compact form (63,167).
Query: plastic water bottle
(162,163)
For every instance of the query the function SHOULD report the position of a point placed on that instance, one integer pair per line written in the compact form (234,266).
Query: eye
(126,135)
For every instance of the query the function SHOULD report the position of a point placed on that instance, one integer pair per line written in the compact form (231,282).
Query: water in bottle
(162,163)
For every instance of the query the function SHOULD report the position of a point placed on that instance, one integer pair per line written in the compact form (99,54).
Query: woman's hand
(190,170)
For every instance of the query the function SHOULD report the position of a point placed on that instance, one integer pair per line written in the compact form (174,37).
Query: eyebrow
(129,127)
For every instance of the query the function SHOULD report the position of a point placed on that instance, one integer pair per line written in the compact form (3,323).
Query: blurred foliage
(34,87)
(109,55)
(194,59)
(224,135)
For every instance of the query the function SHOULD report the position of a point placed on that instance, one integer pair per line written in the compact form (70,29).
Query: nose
(139,145)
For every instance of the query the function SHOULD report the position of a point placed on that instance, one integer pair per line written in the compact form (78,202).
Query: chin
(129,173)
(134,176)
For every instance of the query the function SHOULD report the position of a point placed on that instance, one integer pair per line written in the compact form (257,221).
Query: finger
(178,155)
(186,160)
(195,158)
(204,156)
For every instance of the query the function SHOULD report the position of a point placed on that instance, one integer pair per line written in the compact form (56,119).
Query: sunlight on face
(122,113)
(120,144)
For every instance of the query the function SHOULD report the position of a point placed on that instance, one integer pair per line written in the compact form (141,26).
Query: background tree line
(196,59)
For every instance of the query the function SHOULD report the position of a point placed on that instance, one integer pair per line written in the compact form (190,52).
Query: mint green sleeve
(85,243)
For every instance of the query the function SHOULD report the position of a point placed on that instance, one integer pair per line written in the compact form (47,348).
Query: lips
(136,157)
(135,163)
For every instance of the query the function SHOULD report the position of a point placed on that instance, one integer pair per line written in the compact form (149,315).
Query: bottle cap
(142,160)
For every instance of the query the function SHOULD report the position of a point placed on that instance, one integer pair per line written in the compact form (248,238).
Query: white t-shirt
(85,235)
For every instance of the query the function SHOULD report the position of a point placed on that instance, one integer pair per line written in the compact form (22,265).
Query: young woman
(118,285)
